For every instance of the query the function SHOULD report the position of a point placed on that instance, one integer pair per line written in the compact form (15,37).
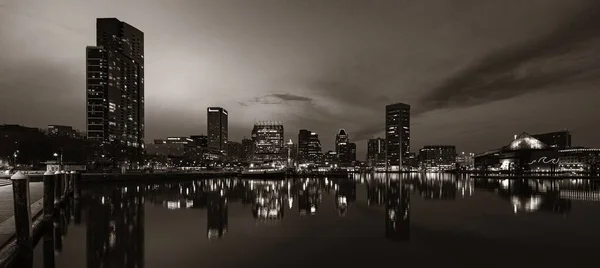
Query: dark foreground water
(418,221)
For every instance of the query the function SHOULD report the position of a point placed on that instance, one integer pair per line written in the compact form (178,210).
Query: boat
(266,172)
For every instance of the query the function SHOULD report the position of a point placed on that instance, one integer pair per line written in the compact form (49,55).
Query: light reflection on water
(125,225)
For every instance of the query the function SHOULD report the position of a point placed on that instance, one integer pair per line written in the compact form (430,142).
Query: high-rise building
(343,148)
(247,149)
(217,128)
(397,135)
(268,141)
(303,140)
(558,139)
(234,150)
(115,89)
(376,151)
(309,147)
(440,157)
(351,153)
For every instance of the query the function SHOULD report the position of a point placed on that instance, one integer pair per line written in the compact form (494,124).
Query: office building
(438,157)
(397,135)
(217,128)
(62,131)
(465,160)
(303,140)
(341,145)
(234,151)
(376,151)
(247,149)
(560,139)
(309,147)
(200,141)
(169,147)
(346,151)
(268,141)
(115,90)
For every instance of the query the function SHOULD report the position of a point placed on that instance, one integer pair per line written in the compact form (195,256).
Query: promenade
(7,222)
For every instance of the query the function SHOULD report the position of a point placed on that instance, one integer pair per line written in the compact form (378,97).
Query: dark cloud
(289,97)
(242,104)
(549,59)
(280,98)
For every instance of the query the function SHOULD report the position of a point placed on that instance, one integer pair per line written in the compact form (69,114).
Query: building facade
(291,152)
(268,141)
(115,90)
(559,139)
(438,157)
(234,151)
(62,131)
(247,149)
(376,151)
(217,128)
(397,135)
(309,147)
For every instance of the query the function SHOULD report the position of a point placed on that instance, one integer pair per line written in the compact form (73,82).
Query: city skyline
(536,68)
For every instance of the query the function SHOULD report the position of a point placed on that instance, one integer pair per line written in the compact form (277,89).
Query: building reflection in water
(309,196)
(397,207)
(216,214)
(268,203)
(529,195)
(345,193)
(115,228)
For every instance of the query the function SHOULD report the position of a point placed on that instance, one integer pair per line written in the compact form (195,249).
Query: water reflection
(115,228)
(114,216)
(397,207)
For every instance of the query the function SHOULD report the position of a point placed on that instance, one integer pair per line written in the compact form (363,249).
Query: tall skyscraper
(268,141)
(303,139)
(309,147)
(376,151)
(217,128)
(397,135)
(115,89)
(247,149)
(341,146)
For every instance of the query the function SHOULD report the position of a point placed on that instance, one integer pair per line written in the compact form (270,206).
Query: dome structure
(526,142)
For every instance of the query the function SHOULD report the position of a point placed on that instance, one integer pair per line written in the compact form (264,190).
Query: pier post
(58,178)
(22,208)
(77,185)
(48,195)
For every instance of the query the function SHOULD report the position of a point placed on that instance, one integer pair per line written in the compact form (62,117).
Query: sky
(475,72)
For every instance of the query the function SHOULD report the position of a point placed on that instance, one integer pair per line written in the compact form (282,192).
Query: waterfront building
(437,157)
(579,159)
(376,151)
(200,141)
(331,158)
(234,151)
(217,128)
(341,146)
(397,135)
(465,160)
(169,147)
(115,90)
(62,131)
(309,147)
(559,139)
(524,153)
(268,141)
(247,149)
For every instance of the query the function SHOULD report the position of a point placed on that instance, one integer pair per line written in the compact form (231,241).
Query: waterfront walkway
(7,220)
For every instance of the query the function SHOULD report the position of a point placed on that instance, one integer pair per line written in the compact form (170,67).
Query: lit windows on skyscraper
(217,128)
(397,135)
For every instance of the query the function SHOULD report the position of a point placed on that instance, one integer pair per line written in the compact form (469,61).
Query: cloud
(280,98)
(242,104)
(550,59)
